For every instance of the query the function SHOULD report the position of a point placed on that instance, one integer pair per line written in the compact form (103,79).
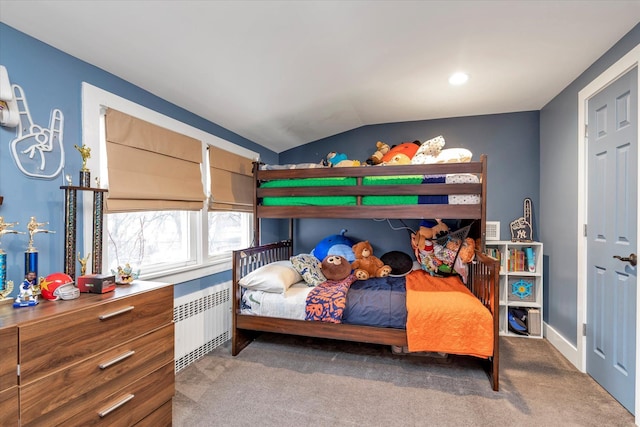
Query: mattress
(378,200)
(372,302)
(451,199)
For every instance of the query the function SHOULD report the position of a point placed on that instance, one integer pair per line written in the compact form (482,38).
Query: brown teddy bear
(381,149)
(366,264)
(428,233)
(335,267)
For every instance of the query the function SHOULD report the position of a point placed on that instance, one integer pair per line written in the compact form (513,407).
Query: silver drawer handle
(115,313)
(110,409)
(117,359)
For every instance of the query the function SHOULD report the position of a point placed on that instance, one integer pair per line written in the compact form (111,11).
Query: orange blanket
(444,316)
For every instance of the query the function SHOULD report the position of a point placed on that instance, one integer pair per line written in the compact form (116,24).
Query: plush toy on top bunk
(433,151)
(401,154)
(382,148)
(338,160)
(366,264)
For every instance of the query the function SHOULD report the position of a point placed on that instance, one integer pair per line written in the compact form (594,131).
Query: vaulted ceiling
(284,73)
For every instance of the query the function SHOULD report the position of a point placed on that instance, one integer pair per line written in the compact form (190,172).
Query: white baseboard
(568,350)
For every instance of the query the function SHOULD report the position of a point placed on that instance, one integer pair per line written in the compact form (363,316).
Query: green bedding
(390,200)
(341,200)
(309,201)
(393,180)
(309,182)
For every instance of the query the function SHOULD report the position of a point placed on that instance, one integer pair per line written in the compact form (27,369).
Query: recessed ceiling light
(458,79)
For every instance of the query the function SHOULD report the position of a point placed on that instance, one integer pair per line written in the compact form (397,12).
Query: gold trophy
(85,174)
(5,286)
(31,254)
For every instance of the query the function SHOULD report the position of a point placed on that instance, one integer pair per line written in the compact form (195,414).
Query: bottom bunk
(424,300)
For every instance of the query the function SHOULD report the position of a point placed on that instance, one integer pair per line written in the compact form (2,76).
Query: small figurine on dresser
(125,275)
(27,294)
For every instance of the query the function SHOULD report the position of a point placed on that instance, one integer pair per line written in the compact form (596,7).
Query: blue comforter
(377,302)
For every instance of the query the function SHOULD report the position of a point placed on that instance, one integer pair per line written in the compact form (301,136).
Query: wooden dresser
(97,360)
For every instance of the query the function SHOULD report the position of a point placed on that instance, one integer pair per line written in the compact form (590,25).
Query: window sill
(185,274)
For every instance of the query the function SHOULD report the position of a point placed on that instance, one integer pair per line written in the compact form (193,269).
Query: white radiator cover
(202,323)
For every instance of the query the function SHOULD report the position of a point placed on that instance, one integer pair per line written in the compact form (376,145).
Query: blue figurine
(27,296)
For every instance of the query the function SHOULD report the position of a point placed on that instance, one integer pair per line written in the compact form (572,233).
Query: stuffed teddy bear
(366,264)
(401,154)
(381,149)
(335,267)
(429,230)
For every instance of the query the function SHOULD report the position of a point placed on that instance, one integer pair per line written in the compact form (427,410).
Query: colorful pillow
(275,277)
(309,267)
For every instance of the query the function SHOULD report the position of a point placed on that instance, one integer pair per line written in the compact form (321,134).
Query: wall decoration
(9,116)
(38,151)
(522,228)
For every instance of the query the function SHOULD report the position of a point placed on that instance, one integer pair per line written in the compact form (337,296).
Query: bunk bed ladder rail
(483,283)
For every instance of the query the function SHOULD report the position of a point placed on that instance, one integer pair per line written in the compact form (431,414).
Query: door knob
(631,259)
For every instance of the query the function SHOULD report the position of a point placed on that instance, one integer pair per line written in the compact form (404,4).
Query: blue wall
(52,79)
(559,188)
(511,142)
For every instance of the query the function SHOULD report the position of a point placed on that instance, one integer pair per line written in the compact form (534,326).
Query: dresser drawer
(131,404)
(85,385)
(9,357)
(9,407)
(58,341)
(161,417)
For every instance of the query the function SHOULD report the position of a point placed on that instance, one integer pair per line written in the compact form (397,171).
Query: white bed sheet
(290,305)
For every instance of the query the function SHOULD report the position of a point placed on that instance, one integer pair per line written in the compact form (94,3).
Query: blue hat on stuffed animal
(336,244)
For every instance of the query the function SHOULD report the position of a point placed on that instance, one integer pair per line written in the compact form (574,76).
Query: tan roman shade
(231,181)
(150,167)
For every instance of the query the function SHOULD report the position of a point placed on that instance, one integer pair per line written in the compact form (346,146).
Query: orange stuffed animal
(366,264)
(401,154)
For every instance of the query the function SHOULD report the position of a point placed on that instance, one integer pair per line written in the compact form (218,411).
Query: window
(172,245)
(228,231)
(153,240)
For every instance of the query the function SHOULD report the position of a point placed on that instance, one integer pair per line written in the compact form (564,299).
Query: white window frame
(95,101)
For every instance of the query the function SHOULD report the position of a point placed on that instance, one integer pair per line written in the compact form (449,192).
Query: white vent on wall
(492,230)
(202,323)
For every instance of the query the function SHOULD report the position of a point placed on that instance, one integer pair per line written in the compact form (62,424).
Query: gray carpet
(282,380)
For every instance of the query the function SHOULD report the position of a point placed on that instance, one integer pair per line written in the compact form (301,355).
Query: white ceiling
(284,73)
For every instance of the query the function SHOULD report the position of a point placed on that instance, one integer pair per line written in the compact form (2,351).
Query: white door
(611,238)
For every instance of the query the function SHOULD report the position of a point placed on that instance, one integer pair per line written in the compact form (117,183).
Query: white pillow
(275,277)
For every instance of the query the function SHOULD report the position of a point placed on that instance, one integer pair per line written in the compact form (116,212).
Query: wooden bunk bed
(482,281)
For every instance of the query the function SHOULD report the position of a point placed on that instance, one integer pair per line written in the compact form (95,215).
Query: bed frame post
(256,220)
(483,206)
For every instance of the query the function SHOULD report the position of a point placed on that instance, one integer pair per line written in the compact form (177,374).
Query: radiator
(202,323)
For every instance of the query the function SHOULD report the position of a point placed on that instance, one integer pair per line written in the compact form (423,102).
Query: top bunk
(442,190)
